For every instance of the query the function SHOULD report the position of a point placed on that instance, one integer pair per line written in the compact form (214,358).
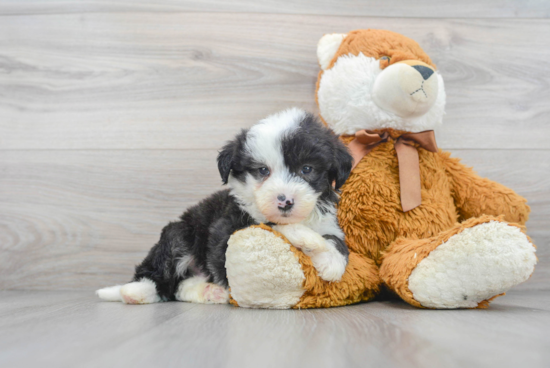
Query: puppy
(284,171)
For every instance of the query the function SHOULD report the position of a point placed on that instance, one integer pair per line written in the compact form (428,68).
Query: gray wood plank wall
(111,112)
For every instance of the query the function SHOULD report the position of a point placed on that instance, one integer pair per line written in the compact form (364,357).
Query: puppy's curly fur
(281,172)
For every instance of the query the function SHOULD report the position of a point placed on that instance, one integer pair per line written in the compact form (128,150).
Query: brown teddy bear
(417,221)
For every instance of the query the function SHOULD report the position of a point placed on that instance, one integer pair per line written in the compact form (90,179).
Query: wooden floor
(74,329)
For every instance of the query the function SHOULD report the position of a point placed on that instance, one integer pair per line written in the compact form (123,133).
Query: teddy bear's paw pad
(143,291)
(475,265)
(262,270)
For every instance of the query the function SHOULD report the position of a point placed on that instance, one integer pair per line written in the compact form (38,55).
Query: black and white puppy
(282,171)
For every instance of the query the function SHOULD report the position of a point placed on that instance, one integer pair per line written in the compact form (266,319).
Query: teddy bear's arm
(475,196)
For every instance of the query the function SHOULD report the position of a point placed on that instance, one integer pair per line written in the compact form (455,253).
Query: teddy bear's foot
(475,265)
(262,270)
(464,268)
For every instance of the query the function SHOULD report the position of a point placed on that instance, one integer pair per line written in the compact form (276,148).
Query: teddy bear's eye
(385,58)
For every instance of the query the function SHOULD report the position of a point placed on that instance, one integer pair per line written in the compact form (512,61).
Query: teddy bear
(419,224)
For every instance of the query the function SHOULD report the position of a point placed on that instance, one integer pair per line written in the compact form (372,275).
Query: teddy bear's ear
(327,47)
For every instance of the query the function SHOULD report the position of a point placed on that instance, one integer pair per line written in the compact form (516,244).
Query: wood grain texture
(190,80)
(83,219)
(398,8)
(73,219)
(68,329)
(111,112)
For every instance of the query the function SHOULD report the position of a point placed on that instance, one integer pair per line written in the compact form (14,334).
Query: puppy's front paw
(330,265)
(196,290)
(302,237)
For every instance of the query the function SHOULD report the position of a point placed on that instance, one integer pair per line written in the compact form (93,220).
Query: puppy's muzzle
(284,204)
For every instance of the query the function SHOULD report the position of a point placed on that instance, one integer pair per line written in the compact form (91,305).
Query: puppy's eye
(264,171)
(306,169)
(385,58)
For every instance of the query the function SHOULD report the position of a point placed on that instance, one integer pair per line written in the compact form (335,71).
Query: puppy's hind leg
(143,291)
(197,290)
(139,292)
(110,294)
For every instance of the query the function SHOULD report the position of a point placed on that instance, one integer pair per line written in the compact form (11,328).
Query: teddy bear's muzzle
(408,88)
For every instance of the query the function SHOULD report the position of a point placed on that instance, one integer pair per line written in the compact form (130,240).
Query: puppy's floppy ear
(228,155)
(225,160)
(341,165)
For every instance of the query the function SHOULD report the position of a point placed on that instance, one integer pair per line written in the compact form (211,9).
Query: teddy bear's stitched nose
(424,71)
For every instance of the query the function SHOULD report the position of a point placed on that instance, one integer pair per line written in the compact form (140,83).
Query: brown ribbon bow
(407,158)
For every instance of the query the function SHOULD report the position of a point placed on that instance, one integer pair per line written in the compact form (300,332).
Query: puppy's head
(282,168)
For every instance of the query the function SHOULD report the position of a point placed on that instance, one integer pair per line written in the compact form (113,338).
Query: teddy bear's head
(376,79)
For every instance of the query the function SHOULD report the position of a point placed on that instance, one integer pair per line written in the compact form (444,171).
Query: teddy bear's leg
(262,270)
(464,267)
(265,271)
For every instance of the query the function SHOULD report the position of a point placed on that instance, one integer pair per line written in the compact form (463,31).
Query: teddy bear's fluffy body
(370,212)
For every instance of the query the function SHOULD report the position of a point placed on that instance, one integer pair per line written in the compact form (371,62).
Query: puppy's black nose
(281,197)
(424,71)
(287,205)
